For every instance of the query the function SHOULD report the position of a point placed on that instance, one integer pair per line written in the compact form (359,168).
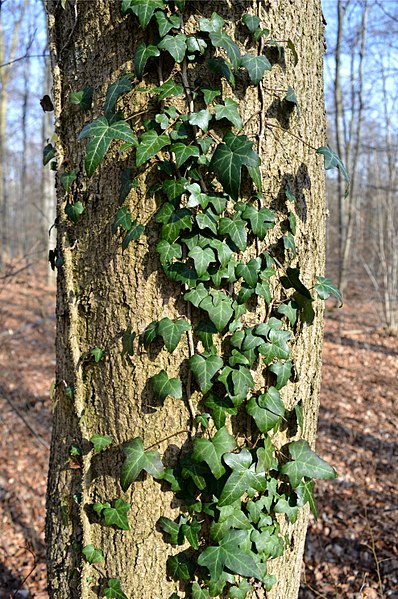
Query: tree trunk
(102,292)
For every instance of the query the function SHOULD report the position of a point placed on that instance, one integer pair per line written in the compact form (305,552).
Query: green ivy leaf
(282,371)
(205,332)
(292,279)
(191,532)
(143,10)
(291,98)
(235,228)
(252,22)
(165,24)
(93,555)
(163,386)
(195,296)
(224,252)
(184,152)
(97,353)
(195,44)
(333,160)
(67,179)
(122,219)
(276,347)
(207,220)
(215,23)
(230,555)
(202,258)
(173,529)
(255,66)
(113,590)
(325,288)
(168,251)
(241,591)
(204,369)
(293,50)
(168,88)
(120,87)
(128,342)
(261,220)
(117,515)
(82,98)
(228,159)
(212,451)
(141,56)
(199,593)
(174,188)
(219,308)
(250,271)
(220,39)
(74,211)
(137,459)
(180,567)
(179,220)
(48,153)
(306,463)
(150,144)
(266,410)
(200,119)
(209,94)
(132,234)
(100,442)
(171,331)
(268,543)
(176,45)
(290,311)
(220,407)
(102,134)
(289,243)
(229,111)
(305,494)
(220,66)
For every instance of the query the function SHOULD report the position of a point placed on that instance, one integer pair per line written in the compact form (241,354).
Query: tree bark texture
(102,291)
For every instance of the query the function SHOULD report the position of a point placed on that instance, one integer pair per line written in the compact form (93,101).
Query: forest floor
(351,551)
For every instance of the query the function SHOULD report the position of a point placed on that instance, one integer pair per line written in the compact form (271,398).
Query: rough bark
(102,291)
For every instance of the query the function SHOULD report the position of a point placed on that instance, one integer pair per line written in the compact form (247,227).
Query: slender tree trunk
(102,291)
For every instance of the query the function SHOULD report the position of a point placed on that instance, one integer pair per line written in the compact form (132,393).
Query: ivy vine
(233,486)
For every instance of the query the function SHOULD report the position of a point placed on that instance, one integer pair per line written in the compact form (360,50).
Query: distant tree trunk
(101,292)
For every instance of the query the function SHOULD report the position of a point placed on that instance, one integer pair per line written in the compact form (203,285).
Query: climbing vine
(215,226)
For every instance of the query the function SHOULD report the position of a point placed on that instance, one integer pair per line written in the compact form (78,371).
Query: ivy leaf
(268,543)
(143,10)
(325,288)
(171,331)
(48,153)
(207,220)
(97,353)
(195,296)
(215,23)
(137,459)
(141,56)
(176,45)
(229,555)
(122,219)
(333,160)
(255,66)
(198,592)
(222,67)
(165,24)
(163,386)
(184,152)
(113,590)
(266,410)
(180,567)
(204,369)
(205,332)
(117,515)
(282,371)
(290,311)
(220,39)
(102,134)
(195,44)
(220,407)
(241,591)
(82,98)
(261,220)
(305,494)
(128,342)
(277,347)
(200,119)
(210,94)
(289,243)
(150,333)
(173,529)
(93,555)
(178,221)
(167,251)
(249,272)
(224,252)
(67,179)
(252,22)
(132,234)
(191,532)
(235,228)
(100,442)
(174,188)
(219,308)
(212,451)
(74,211)
(306,463)
(150,144)
(291,98)
(292,279)
(229,111)
(228,159)
(293,50)
(121,86)
(202,258)
(168,88)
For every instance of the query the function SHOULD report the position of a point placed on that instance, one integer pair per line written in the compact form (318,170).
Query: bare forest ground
(351,550)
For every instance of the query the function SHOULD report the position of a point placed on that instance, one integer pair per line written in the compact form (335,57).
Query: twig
(15,593)
(373,548)
(166,439)
(22,417)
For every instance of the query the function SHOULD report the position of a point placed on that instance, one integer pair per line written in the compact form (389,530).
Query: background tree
(105,292)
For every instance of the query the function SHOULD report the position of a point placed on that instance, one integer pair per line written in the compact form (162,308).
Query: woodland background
(352,549)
